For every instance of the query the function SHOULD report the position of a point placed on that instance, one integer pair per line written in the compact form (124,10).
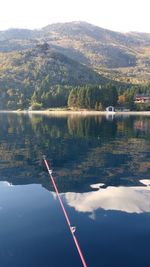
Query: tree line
(93,97)
(96,97)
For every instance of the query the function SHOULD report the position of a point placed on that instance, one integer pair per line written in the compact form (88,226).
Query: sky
(117,15)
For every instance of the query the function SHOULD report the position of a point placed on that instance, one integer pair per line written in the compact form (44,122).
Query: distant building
(142,98)
(110,109)
(30,108)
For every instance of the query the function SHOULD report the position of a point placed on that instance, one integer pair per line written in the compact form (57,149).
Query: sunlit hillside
(119,56)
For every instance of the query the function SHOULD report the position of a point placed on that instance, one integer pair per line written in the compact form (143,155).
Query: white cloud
(127,199)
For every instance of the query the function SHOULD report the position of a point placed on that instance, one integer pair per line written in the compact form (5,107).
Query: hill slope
(39,70)
(119,56)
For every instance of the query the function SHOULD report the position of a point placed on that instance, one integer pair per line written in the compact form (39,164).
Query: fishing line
(71,228)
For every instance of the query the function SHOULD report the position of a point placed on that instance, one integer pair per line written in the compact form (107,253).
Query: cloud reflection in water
(127,199)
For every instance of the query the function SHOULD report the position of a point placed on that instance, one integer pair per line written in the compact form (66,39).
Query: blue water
(102,169)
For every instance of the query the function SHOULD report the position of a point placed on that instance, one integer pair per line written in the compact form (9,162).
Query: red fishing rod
(71,228)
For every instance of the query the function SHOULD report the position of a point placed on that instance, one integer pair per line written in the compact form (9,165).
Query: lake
(101,166)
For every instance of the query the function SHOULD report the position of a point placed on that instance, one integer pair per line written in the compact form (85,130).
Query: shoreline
(76,112)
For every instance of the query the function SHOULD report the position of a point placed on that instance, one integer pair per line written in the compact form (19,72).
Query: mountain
(118,56)
(17,39)
(99,47)
(41,73)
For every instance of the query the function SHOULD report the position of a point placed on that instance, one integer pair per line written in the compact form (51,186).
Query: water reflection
(81,150)
(32,229)
(126,199)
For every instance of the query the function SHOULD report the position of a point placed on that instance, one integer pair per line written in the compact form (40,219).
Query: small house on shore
(141,98)
(110,109)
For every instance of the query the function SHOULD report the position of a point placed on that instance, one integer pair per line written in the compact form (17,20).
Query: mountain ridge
(118,56)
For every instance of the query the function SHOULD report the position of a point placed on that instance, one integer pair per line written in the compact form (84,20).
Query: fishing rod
(71,228)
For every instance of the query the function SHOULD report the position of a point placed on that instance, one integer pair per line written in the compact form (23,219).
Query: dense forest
(93,97)
(40,76)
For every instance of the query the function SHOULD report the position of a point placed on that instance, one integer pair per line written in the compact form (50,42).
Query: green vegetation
(81,65)
(127,98)
(121,57)
(93,97)
(40,76)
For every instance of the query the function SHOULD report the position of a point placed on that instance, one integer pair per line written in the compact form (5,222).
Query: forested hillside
(40,68)
(40,75)
(119,56)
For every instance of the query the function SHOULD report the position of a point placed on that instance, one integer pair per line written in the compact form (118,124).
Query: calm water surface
(102,169)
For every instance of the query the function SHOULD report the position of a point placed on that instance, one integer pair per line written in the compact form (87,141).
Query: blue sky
(118,15)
